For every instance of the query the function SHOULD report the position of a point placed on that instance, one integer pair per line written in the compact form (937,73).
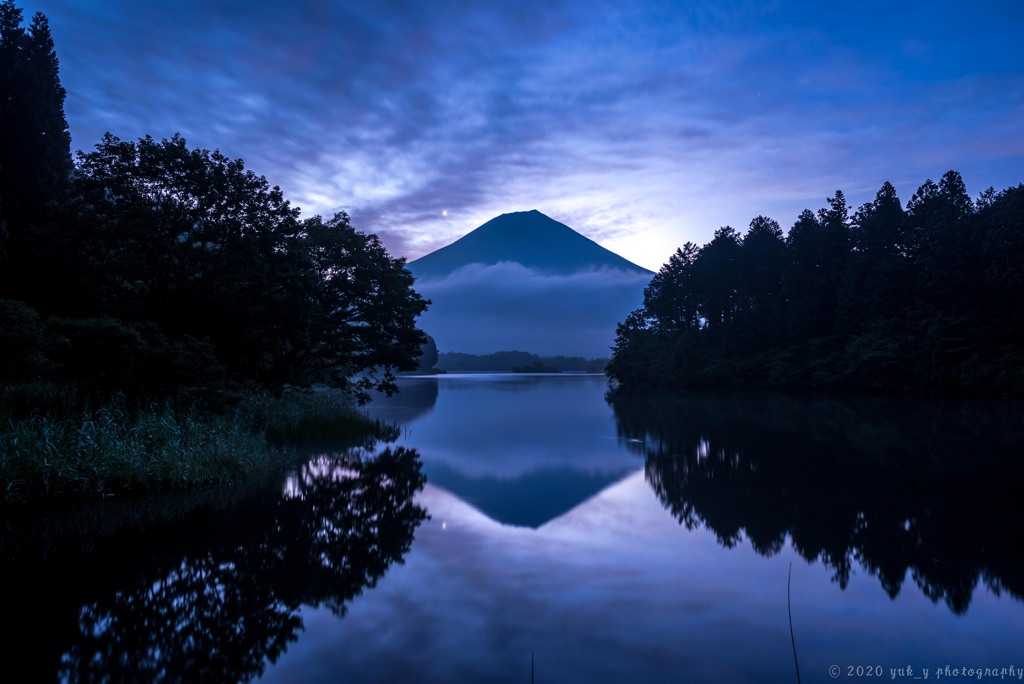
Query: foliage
(926,299)
(164,285)
(35,158)
(178,268)
(192,243)
(428,355)
(21,342)
(153,269)
(363,322)
(112,451)
(117,450)
(315,419)
(172,268)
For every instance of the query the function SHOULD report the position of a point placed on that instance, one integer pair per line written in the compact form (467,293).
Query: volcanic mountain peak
(527,237)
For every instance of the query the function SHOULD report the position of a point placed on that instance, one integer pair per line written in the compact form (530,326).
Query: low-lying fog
(480,309)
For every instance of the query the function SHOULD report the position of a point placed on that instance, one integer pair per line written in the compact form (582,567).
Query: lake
(531,528)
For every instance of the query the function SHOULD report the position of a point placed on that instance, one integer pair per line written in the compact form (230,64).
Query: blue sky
(640,124)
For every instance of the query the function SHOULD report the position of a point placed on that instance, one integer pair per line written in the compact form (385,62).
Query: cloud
(482,309)
(645,124)
(616,590)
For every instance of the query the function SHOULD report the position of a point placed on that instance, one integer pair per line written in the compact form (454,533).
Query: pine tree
(35,145)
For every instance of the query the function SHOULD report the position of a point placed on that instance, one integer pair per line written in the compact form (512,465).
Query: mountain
(523,281)
(530,500)
(529,238)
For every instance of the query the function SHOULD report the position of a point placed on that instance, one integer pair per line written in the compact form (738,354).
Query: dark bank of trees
(35,145)
(151,269)
(923,298)
(148,289)
(518,361)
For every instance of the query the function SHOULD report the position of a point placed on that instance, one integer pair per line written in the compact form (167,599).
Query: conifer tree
(35,145)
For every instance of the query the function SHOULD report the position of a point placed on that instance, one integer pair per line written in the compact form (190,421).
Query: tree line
(152,269)
(518,361)
(923,298)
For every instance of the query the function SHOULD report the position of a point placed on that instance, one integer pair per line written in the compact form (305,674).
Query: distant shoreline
(516,362)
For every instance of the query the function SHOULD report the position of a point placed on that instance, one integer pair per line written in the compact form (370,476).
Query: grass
(318,419)
(117,451)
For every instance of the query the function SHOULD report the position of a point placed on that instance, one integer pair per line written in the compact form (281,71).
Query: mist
(480,309)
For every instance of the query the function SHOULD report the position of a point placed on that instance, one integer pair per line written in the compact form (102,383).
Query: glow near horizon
(641,125)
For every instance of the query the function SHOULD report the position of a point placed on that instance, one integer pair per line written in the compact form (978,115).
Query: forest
(926,298)
(152,288)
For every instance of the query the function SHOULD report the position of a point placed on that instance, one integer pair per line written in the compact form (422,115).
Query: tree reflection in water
(932,488)
(218,597)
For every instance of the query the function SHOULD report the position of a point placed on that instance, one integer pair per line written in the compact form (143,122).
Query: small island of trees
(156,302)
(923,299)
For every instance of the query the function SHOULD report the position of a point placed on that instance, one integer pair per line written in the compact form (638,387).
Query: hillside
(525,281)
(529,238)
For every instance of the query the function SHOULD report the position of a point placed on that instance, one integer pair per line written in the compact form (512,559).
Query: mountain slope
(530,238)
(526,282)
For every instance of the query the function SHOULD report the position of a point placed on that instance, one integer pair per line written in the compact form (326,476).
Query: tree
(640,356)
(878,230)
(876,287)
(21,342)
(1002,267)
(364,322)
(672,296)
(818,247)
(927,299)
(1004,245)
(945,244)
(835,244)
(762,263)
(193,243)
(718,268)
(428,355)
(35,145)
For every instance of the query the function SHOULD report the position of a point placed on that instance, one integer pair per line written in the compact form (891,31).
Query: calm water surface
(630,540)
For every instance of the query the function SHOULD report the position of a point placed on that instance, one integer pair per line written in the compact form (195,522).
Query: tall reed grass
(117,450)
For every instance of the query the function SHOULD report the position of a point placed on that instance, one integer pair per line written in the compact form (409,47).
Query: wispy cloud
(643,124)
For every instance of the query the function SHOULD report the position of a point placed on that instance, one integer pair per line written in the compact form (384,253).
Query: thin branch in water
(789,609)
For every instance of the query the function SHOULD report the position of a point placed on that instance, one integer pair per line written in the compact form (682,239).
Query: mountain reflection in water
(603,537)
(616,589)
(928,487)
(521,448)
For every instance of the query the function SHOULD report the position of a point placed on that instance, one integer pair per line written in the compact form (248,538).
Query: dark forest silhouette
(924,298)
(151,269)
(518,361)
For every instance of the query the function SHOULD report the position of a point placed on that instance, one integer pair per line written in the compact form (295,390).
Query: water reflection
(929,489)
(217,597)
(523,449)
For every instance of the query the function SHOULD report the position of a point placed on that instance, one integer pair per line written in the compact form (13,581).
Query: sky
(642,125)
